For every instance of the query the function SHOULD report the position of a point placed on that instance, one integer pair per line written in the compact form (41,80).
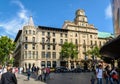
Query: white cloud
(19,4)
(11,26)
(108,12)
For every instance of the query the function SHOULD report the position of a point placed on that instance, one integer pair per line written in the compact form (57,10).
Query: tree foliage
(6,47)
(94,52)
(69,50)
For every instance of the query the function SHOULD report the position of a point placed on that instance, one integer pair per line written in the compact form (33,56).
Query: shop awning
(112,48)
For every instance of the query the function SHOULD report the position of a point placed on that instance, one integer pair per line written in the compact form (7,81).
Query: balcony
(51,43)
(29,41)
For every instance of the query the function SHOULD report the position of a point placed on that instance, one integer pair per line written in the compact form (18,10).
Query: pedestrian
(44,73)
(99,74)
(28,73)
(8,77)
(39,76)
(107,75)
(48,72)
(16,71)
(92,79)
(114,76)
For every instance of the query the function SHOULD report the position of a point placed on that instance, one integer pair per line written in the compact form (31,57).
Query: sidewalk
(22,79)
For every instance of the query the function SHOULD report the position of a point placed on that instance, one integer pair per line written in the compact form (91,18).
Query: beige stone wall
(87,35)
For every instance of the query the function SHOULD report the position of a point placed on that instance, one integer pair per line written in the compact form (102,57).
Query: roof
(104,35)
(18,35)
(52,28)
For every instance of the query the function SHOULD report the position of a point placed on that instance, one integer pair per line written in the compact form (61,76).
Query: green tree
(94,52)
(69,50)
(6,47)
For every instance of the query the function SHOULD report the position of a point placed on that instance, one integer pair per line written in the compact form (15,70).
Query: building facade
(41,45)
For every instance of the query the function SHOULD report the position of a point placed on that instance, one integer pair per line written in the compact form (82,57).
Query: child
(92,80)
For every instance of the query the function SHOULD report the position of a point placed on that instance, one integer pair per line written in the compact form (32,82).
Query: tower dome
(80,12)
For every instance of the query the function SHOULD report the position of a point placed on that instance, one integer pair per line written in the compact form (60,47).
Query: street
(59,78)
(70,78)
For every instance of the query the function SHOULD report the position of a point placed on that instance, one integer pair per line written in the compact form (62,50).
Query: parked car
(61,69)
(77,70)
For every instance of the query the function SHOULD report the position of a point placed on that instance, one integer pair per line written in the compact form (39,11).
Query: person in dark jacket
(8,77)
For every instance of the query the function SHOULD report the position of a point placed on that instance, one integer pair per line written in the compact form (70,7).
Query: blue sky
(15,13)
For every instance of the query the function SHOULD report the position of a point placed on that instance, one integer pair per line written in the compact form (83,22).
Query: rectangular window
(90,36)
(65,35)
(43,55)
(26,31)
(25,55)
(29,54)
(33,39)
(33,54)
(33,32)
(26,46)
(91,42)
(43,33)
(48,33)
(43,63)
(53,40)
(29,31)
(95,42)
(43,40)
(54,55)
(43,47)
(61,41)
(53,34)
(33,46)
(26,39)
(61,35)
(66,40)
(76,41)
(48,55)
(36,54)
(48,47)
(54,47)
(76,35)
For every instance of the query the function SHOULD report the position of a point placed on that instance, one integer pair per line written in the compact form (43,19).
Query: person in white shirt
(99,74)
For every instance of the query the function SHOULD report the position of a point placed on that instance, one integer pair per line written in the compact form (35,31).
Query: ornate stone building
(41,45)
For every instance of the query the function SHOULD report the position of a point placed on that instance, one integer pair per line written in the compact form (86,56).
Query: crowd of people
(41,74)
(110,75)
(9,74)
